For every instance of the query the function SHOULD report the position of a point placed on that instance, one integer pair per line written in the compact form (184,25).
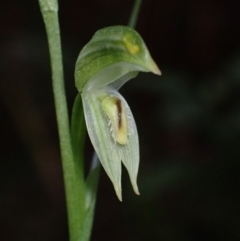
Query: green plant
(112,57)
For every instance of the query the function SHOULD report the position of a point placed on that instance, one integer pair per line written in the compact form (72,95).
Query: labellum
(117,118)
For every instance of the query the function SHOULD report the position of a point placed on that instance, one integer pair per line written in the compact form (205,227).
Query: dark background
(188,122)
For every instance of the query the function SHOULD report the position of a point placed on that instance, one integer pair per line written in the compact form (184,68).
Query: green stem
(134,14)
(74,186)
(80,218)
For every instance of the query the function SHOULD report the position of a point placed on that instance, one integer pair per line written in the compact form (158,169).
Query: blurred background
(188,122)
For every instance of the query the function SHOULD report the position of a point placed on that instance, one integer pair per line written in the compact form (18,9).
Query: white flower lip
(111,153)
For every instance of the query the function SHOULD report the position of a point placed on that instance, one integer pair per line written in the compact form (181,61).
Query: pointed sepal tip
(118,191)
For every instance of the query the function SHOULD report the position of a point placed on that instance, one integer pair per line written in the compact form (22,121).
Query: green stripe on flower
(112,57)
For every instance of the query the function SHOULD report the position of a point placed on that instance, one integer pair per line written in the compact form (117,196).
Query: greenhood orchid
(112,57)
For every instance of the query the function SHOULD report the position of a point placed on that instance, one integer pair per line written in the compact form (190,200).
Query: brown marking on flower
(119,110)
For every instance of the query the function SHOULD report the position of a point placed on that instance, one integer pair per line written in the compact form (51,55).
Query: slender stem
(134,14)
(76,210)
(79,219)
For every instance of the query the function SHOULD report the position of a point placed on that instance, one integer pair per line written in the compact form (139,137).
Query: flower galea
(112,57)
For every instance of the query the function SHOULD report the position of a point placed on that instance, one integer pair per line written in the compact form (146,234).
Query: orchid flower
(112,57)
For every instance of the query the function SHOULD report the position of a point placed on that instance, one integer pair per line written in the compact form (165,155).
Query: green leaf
(78,133)
(90,198)
(86,194)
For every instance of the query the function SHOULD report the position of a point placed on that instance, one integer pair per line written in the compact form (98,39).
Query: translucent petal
(109,151)
(129,153)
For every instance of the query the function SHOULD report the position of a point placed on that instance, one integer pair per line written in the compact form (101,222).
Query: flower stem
(74,185)
(134,14)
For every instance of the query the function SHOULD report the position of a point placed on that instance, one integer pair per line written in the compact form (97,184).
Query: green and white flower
(112,57)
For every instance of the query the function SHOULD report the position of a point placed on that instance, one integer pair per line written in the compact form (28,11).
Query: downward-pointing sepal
(112,144)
